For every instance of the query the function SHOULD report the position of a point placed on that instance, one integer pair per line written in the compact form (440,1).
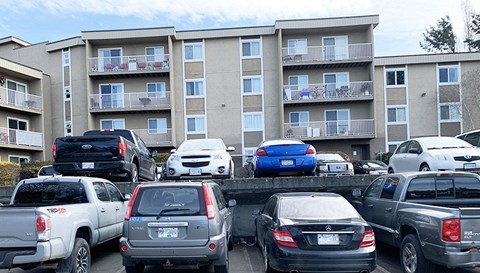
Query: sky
(401,22)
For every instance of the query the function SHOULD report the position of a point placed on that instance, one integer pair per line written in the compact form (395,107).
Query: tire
(230,244)
(133,175)
(411,256)
(266,261)
(232,169)
(425,168)
(137,268)
(79,261)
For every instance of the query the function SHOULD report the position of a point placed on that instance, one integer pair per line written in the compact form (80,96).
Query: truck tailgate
(94,148)
(18,227)
(470,224)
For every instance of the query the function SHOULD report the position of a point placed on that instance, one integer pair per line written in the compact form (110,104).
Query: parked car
(436,154)
(472,137)
(433,217)
(46,171)
(369,167)
(177,224)
(314,232)
(283,157)
(201,158)
(332,163)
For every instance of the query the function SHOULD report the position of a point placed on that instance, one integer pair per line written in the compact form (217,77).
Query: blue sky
(398,33)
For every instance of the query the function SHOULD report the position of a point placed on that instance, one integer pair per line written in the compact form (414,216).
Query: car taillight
(451,230)
(311,150)
(261,152)
(284,238)
(208,202)
(54,150)
(128,211)
(43,226)
(122,148)
(368,239)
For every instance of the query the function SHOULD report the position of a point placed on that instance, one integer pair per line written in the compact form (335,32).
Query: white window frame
(26,121)
(300,123)
(396,107)
(448,67)
(194,58)
(252,54)
(101,59)
(248,152)
(337,121)
(339,53)
(113,123)
(450,112)
(256,127)
(66,57)
(197,118)
(157,93)
(297,49)
(16,97)
(252,85)
(120,97)
(196,92)
(395,70)
(157,57)
(159,129)
(19,157)
(299,86)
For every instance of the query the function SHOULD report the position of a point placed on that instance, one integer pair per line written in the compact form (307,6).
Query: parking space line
(120,270)
(247,259)
(382,269)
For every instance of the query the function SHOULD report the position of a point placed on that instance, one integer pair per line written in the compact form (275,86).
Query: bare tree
(468,13)
(470,99)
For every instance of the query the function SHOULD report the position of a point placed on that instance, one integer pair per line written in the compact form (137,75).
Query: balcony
(130,102)
(330,92)
(328,56)
(13,138)
(129,66)
(20,101)
(324,130)
(155,138)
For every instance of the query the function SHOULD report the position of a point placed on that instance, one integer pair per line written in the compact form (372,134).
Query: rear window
(444,188)
(50,193)
(325,207)
(169,201)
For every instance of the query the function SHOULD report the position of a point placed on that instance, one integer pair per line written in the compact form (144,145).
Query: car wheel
(390,170)
(79,261)
(137,268)
(266,261)
(133,175)
(424,168)
(230,244)
(411,256)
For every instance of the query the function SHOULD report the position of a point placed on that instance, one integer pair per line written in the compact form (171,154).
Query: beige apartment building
(313,79)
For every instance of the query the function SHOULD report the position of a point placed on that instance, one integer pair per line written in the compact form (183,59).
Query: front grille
(195,164)
(462,158)
(195,156)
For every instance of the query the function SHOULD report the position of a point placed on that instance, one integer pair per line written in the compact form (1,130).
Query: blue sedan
(284,157)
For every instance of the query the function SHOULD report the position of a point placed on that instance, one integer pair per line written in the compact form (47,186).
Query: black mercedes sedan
(314,232)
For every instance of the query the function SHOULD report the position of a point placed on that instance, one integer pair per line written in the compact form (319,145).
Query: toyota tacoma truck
(433,217)
(57,220)
(113,154)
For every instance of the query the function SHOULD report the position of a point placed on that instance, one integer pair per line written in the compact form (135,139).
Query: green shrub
(162,158)
(11,173)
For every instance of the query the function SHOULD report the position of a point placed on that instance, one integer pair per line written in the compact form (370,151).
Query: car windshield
(324,207)
(330,157)
(375,164)
(445,143)
(201,145)
(160,201)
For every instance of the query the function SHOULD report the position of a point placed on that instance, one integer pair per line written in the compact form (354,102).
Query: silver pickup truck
(56,220)
(433,217)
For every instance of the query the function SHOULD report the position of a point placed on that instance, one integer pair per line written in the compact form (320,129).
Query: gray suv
(177,224)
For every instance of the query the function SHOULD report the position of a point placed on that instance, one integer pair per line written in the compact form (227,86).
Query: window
(196,124)
(297,46)
(389,188)
(66,57)
(194,88)
(157,125)
(374,188)
(252,121)
(337,122)
(299,82)
(16,93)
(154,54)
(109,58)
(156,90)
(299,119)
(396,114)
(448,74)
(392,147)
(193,52)
(472,138)
(396,77)
(101,191)
(403,148)
(252,85)
(450,112)
(251,48)
(111,96)
(114,193)
(269,209)
(112,124)
(18,159)
(248,154)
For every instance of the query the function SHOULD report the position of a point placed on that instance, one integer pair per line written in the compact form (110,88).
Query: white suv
(200,158)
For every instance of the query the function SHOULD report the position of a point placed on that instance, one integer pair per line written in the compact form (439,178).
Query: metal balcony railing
(20,100)
(121,64)
(334,129)
(135,100)
(155,137)
(323,54)
(19,137)
(338,90)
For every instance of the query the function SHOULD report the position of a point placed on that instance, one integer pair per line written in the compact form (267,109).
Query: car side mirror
(413,151)
(232,203)
(172,151)
(230,149)
(127,197)
(356,193)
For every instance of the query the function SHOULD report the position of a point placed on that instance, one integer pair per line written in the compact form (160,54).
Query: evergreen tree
(474,41)
(440,38)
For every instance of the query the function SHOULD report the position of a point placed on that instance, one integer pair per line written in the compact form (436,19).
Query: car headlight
(217,156)
(174,158)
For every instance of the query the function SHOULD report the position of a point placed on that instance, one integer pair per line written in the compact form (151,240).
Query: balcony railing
(158,137)
(20,100)
(19,137)
(323,91)
(122,64)
(333,129)
(135,100)
(323,54)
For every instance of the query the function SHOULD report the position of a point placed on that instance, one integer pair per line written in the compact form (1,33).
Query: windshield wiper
(170,210)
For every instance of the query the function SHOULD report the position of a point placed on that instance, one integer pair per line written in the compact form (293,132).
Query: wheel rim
(425,168)
(82,260)
(409,257)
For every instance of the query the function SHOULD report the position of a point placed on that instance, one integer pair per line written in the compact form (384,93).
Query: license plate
(167,232)
(338,167)
(287,162)
(195,171)
(469,165)
(328,239)
(88,165)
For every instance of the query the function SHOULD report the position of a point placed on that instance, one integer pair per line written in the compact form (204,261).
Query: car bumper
(286,259)
(100,167)
(211,170)
(452,257)
(19,257)
(300,164)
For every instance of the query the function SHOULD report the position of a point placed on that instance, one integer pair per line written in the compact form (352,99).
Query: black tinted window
(445,188)
(472,138)
(374,188)
(431,188)
(389,188)
(170,201)
(101,191)
(269,208)
(421,188)
(219,196)
(50,193)
(402,148)
(467,187)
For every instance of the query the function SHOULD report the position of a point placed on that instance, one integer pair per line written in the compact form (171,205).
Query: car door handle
(388,209)
(117,208)
(103,210)
(369,206)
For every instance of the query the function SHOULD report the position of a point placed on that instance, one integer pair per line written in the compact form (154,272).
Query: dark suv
(178,224)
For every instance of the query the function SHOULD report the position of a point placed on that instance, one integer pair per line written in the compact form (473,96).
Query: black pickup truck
(113,154)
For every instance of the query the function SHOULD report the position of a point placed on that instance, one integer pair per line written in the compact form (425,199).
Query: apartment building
(313,79)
